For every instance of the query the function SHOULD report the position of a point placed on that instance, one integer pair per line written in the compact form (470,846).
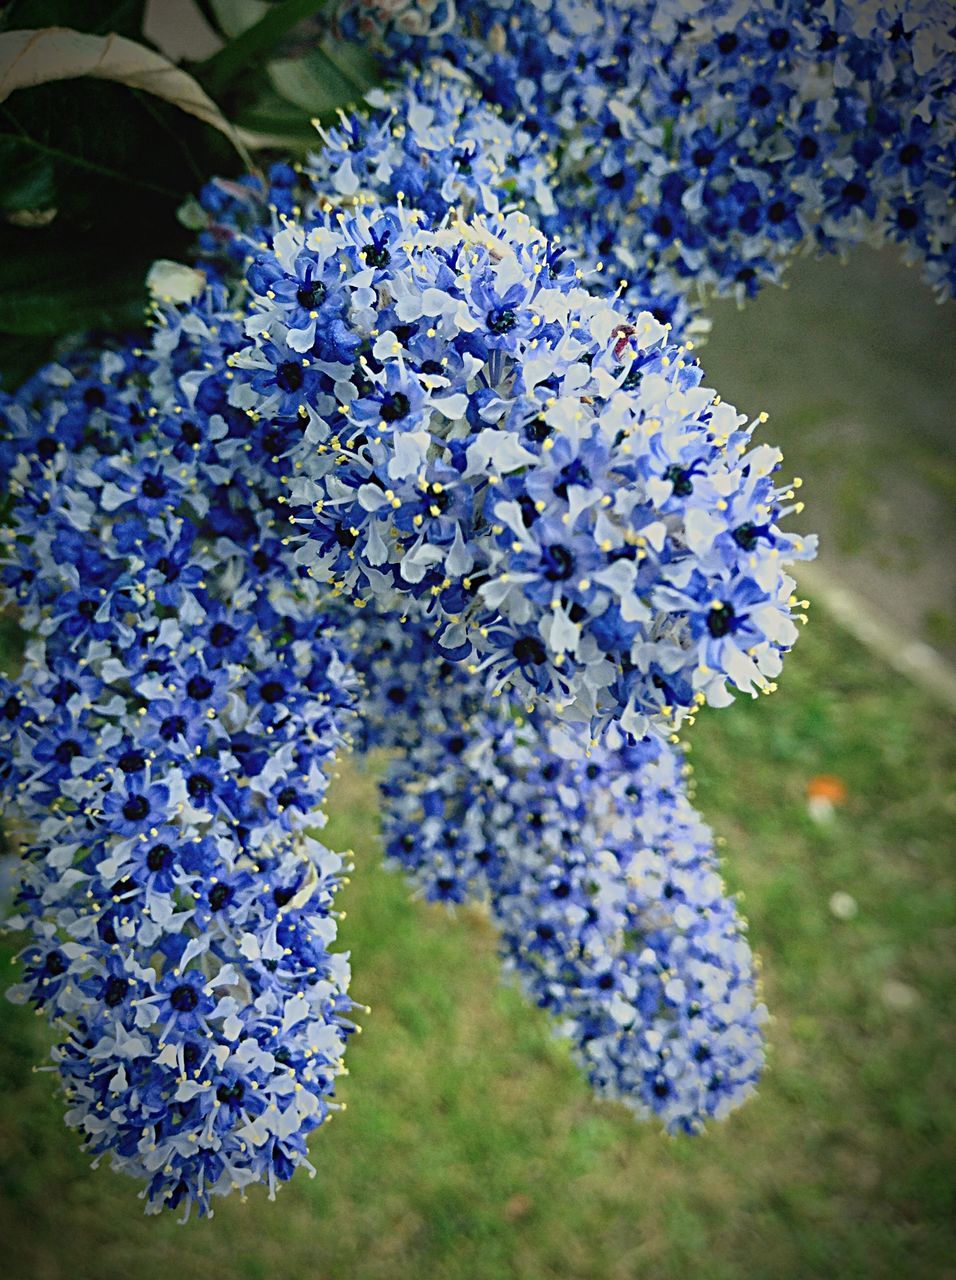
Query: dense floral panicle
(206,1017)
(434,143)
(430,142)
(699,147)
(168,741)
(486,434)
(600,877)
(585,521)
(387,418)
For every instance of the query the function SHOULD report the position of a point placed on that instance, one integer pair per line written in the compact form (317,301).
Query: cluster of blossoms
(600,878)
(699,146)
(431,143)
(586,522)
(391,468)
(167,745)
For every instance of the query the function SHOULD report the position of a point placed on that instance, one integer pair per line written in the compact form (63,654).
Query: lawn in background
(471,1150)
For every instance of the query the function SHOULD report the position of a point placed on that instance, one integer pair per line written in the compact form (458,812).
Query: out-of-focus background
(471,1149)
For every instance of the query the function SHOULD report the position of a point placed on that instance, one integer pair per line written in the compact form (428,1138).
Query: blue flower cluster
(390,468)
(586,522)
(699,147)
(486,432)
(167,745)
(598,874)
(431,143)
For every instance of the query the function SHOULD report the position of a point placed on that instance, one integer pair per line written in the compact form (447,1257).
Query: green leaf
(273,117)
(21,355)
(31,177)
(116,192)
(232,17)
(34,57)
(97,16)
(335,74)
(102,176)
(47,291)
(254,43)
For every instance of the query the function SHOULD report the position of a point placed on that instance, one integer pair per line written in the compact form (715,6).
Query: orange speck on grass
(827,786)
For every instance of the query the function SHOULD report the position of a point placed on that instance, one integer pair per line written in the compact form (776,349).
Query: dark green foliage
(93,172)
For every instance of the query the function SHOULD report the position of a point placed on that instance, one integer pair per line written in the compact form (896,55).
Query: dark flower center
(720,620)
(680,478)
(808,147)
(219,895)
(537,429)
(395,405)
(115,992)
(222,634)
(528,650)
(172,727)
(136,808)
(159,857)
(559,563)
(376,255)
(289,376)
(66,750)
(199,687)
(747,534)
(501,319)
(310,296)
(272,691)
(907,218)
(153,486)
(184,998)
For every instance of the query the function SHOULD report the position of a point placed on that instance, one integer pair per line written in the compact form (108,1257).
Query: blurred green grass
(471,1149)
